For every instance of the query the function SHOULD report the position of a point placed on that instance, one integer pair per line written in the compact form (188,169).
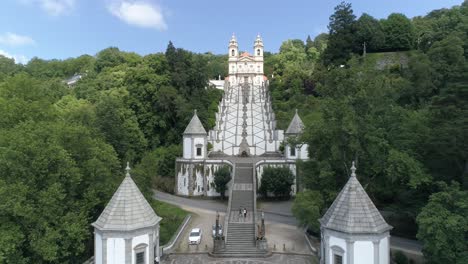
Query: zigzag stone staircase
(240,231)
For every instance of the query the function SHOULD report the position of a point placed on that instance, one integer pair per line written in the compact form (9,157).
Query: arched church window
(233,52)
(338,254)
(140,252)
(258,52)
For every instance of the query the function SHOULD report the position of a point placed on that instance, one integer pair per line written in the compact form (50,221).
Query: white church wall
(197,175)
(301,152)
(304,152)
(364,252)
(183,178)
(187,148)
(98,248)
(384,251)
(143,239)
(335,241)
(115,251)
(217,146)
(199,189)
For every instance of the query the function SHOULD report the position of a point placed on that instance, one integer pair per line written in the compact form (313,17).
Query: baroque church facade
(245,127)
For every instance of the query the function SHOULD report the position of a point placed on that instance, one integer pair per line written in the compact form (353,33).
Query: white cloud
(53,7)
(138,13)
(12,39)
(18,58)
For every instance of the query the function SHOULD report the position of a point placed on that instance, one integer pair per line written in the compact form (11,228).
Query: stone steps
(240,240)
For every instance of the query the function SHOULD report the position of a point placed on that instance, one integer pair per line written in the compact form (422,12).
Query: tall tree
(341,37)
(369,31)
(399,32)
(221,178)
(443,226)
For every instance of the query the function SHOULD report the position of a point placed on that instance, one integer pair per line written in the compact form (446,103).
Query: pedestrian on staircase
(245,213)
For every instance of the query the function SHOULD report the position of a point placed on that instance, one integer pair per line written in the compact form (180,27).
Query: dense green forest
(399,109)
(62,149)
(397,105)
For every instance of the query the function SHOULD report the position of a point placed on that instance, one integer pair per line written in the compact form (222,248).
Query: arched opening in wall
(258,52)
(140,253)
(233,53)
(338,254)
(244,154)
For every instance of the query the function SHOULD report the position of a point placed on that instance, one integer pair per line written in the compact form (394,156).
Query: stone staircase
(240,234)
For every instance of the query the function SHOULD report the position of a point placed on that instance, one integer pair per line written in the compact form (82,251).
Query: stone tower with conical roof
(127,231)
(294,148)
(195,139)
(353,230)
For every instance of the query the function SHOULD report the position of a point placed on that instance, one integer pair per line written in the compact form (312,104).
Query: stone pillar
(376,251)
(327,249)
(349,252)
(158,254)
(104,250)
(151,248)
(95,247)
(128,250)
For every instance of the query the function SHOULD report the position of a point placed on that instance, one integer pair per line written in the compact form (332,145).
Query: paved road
(277,212)
(278,215)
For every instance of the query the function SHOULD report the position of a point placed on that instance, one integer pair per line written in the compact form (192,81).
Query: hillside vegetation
(400,111)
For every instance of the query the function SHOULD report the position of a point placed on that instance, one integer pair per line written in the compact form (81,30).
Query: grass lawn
(172,217)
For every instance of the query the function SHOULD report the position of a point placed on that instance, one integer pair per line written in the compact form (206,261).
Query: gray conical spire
(353,211)
(127,210)
(296,126)
(195,126)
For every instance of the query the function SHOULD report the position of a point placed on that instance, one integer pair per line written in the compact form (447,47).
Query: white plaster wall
(384,253)
(187,148)
(363,252)
(115,251)
(198,182)
(304,152)
(217,146)
(138,240)
(280,135)
(335,241)
(98,247)
(181,175)
(211,168)
(157,253)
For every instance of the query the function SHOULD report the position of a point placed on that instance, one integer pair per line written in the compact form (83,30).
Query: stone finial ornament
(353,170)
(127,169)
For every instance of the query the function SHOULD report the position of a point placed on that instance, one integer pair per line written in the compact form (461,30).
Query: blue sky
(69,28)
